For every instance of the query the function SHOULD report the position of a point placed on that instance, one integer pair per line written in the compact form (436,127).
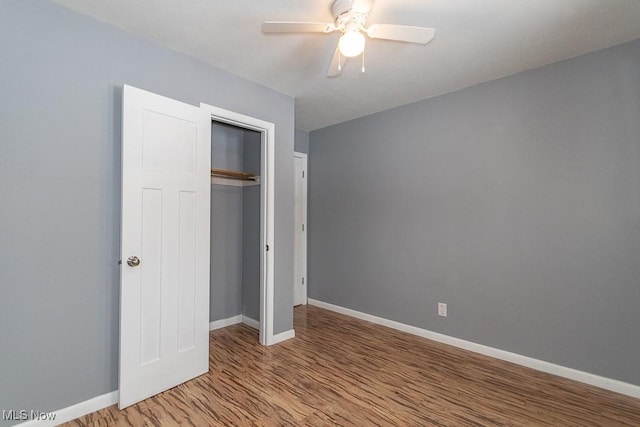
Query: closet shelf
(234,178)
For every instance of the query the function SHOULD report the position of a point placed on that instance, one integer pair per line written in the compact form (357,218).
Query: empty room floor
(342,371)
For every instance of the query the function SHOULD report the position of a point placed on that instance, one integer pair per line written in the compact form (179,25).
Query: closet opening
(241,262)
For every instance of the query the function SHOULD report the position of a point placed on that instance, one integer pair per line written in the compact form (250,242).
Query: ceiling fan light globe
(351,44)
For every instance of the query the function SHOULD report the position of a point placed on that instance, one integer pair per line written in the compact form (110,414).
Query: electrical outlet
(442,309)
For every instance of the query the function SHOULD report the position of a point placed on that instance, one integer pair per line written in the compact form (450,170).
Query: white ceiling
(475,41)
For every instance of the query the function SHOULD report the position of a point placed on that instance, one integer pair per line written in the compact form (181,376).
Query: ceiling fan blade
(337,64)
(362,6)
(401,33)
(297,27)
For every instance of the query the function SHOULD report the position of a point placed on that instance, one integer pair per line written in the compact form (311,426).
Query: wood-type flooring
(343,371)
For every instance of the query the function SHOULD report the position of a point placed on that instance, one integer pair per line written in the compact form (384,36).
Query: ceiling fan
(350,19)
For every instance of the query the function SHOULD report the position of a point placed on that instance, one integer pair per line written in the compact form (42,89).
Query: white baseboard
(282,336)
(76,411)
(223,323)
(234,320)
(250,322)
(540,365)
(253,323)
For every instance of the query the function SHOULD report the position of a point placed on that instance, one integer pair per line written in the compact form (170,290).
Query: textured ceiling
(475,41)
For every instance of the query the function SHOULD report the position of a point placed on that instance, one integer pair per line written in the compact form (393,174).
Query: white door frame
(303,267)
(267,130)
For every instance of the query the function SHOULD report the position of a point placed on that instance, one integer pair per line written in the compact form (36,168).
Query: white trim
(223,323)
(250,322)
(539,365)
(267,223)
(234,320)
(78,410)
(283,336)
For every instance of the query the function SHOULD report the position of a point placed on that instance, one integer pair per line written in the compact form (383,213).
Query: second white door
(300,235)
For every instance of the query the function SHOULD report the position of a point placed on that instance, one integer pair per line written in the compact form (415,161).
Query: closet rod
(242,176)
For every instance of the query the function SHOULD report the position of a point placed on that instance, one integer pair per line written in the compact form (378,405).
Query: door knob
(133,261)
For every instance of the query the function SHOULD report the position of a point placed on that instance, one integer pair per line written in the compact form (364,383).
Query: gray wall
(227,152)
(301,144)
(251,230)
(60,108)
(235,226)
(226,252)
(516,202)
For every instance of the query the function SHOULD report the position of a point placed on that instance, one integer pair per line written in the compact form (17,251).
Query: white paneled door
(164,296)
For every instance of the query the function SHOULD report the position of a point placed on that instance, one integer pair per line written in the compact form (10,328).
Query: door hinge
(267,248)
(303,174)
(302,227)
(303,280)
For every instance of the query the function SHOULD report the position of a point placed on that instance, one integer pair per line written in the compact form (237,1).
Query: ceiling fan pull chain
(363,61)
(339,61)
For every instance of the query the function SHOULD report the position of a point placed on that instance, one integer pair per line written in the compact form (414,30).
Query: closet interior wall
(235,225)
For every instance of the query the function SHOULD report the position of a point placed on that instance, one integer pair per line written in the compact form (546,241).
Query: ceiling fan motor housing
(340,7)
(346,18)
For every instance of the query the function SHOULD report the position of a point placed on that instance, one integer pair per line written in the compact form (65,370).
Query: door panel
(164,301)
(187,279)
(150,273)
(173,142)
